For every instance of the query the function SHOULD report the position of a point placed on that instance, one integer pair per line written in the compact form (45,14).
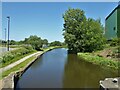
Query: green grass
(104,62)
(18,67)
(15,55)
(15,59)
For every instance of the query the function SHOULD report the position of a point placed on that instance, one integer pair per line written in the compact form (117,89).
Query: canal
(58,69)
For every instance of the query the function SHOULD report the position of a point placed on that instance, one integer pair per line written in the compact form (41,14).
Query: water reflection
(37,63)
(80,74)
(46,72)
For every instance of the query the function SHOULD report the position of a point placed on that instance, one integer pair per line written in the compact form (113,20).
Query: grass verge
(15,55)
(15,59)
(17,67)
(104,62)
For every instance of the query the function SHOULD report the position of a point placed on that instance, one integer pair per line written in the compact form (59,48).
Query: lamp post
(5,37)
(8,30)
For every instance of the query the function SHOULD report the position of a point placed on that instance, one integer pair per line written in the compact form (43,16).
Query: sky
(60,0)
(44,19)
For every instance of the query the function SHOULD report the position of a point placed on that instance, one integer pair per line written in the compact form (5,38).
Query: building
(112,24)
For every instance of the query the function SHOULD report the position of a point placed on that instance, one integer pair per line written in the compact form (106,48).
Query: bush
(1,58)
(14,55)
(28,47)
(7,57)
(115,42)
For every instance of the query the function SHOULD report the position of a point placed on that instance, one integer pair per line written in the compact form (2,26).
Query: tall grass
(100,60)
(15,55)
(18,67)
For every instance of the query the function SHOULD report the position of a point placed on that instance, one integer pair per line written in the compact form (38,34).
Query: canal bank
(10,80)
(101,61)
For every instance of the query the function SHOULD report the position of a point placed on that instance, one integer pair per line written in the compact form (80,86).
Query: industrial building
(112,24)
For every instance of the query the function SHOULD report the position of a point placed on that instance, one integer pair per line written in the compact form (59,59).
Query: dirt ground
(111,53)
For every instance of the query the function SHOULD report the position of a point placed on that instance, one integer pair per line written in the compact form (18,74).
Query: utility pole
(8,30)
(5,37)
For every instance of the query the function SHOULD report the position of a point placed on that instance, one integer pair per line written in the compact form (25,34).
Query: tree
(45,41)
(3,42)
(12,42)
(55,43)
(34,41)
(21,42)
(82,34)
(63,44)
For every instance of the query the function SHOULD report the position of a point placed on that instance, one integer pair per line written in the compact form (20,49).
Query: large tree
(13,42)
(35,41)
(45,41)
(56,43)
(80,33)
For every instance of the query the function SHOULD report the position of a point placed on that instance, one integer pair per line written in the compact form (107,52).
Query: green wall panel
(111,26)
(118,22)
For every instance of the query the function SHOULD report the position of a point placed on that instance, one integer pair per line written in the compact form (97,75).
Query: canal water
(58,69)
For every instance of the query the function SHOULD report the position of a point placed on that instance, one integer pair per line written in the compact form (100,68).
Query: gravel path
(18,62)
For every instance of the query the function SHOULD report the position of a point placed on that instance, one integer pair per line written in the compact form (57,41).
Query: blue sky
(45,19)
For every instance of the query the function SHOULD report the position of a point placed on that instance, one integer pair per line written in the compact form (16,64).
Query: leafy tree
(114,42)
(3,42)
(56,43)
(34,41)
(63,44)
(12,42)
(21,42)
(45,41)
(0,42)
(80,33)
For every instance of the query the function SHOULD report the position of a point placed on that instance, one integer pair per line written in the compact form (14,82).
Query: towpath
(18,62)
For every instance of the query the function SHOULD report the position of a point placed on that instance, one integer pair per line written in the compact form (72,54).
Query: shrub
(28,47)
(1,58)
(14,55)
(7,57)
(115,42)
